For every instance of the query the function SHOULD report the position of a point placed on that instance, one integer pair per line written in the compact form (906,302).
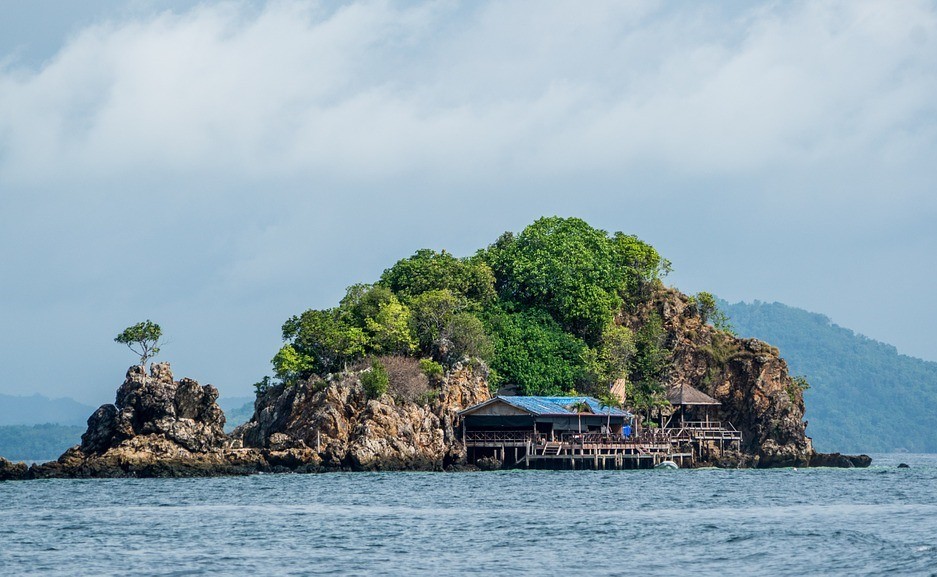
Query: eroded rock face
(183,412)
(157,427)
(336,422)
(747,376)
(12,471)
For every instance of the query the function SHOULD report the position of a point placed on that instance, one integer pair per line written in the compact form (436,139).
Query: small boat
(666,465)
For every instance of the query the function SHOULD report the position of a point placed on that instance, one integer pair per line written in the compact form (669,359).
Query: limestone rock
(335,425)
(838,460)
(157,427)
(747,376)
(12,471)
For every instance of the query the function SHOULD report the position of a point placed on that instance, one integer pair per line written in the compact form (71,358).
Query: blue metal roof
(560,405)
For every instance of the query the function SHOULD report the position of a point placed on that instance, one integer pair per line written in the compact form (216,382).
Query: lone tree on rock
(143,339)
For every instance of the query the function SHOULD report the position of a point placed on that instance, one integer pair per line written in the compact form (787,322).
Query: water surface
(875,521)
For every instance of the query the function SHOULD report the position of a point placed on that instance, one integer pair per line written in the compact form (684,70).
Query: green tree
(648,364)
(577,273)
(564,266)
(143,339)
(389,330)
(708,308)
(428,270)
(375,381)
(532,351)
(324,341)
(608,361)
(642,263)
(609,401)
(445,330)
(289,366)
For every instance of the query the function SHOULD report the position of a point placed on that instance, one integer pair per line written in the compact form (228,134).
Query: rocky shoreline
(159,427)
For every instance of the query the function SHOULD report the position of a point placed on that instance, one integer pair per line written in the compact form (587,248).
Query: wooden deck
(601,451)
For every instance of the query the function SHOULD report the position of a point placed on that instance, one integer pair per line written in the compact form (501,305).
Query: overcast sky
(219,166)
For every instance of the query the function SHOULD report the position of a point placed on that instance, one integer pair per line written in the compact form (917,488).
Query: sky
(220,166)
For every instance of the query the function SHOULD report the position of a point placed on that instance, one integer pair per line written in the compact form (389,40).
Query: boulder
(12,471)
(157,427)
(839,460)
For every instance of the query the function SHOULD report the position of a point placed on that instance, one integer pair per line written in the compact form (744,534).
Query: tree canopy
(539,306)
(142,338)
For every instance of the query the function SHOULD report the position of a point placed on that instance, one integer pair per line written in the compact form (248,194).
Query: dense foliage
(863,395)
(539,306)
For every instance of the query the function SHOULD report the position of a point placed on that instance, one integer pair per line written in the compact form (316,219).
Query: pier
(535,433)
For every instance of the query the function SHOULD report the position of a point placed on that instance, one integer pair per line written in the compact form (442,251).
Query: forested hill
(863,395)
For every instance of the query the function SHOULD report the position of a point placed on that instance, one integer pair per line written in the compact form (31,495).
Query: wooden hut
(548,417)
(689,401)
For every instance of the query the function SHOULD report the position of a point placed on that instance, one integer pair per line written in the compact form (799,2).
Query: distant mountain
(863,396)
(37,410)
(38,442)
(230,404)
(238,415)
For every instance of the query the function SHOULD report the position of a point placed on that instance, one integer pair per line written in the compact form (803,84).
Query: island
(557,347)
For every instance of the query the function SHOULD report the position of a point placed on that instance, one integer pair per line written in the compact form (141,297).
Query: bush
(375,381)
(431,369)
(405,378)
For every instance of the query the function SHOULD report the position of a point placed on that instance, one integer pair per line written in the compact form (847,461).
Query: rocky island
(379,382)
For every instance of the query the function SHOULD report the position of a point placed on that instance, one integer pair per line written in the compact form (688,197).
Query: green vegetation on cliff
(539,306)
(863,395)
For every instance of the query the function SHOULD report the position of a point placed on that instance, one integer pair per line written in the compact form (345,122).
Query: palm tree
(580,406)
(609,401)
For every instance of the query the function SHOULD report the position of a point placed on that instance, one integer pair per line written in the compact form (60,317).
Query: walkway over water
(683,445)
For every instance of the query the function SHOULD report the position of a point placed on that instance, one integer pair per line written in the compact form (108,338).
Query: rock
(839,460)
(341,428)
(156,428)
(904,466)
(10,471)
(489,464)
(747,376)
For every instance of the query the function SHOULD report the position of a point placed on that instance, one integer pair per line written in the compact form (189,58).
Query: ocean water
(876,521)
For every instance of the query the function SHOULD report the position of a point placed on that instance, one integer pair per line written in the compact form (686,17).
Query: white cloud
(372,90)
(248,158)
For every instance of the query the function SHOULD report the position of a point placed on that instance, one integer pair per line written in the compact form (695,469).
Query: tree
(389,329)
(641,261)
(428,270)
(709,311)
(323,340)
(564,266)
(142,339)
(580,406)
(375,381)
(609,401)
(647,366)
(532,351)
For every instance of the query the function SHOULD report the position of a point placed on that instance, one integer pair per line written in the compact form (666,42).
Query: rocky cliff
(747,376)
(156,427)
(334,425)
(162,427)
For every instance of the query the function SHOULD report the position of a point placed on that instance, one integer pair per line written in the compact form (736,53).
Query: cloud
(372,90)
(230,163)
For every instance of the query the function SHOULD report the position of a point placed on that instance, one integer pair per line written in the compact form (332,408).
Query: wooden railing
(498,437)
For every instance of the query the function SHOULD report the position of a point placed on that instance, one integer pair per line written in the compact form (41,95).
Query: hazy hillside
(864,396)
(37,410)
(38,442)
(237,411)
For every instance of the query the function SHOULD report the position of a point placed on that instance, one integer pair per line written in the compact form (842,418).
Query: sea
(876,521)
